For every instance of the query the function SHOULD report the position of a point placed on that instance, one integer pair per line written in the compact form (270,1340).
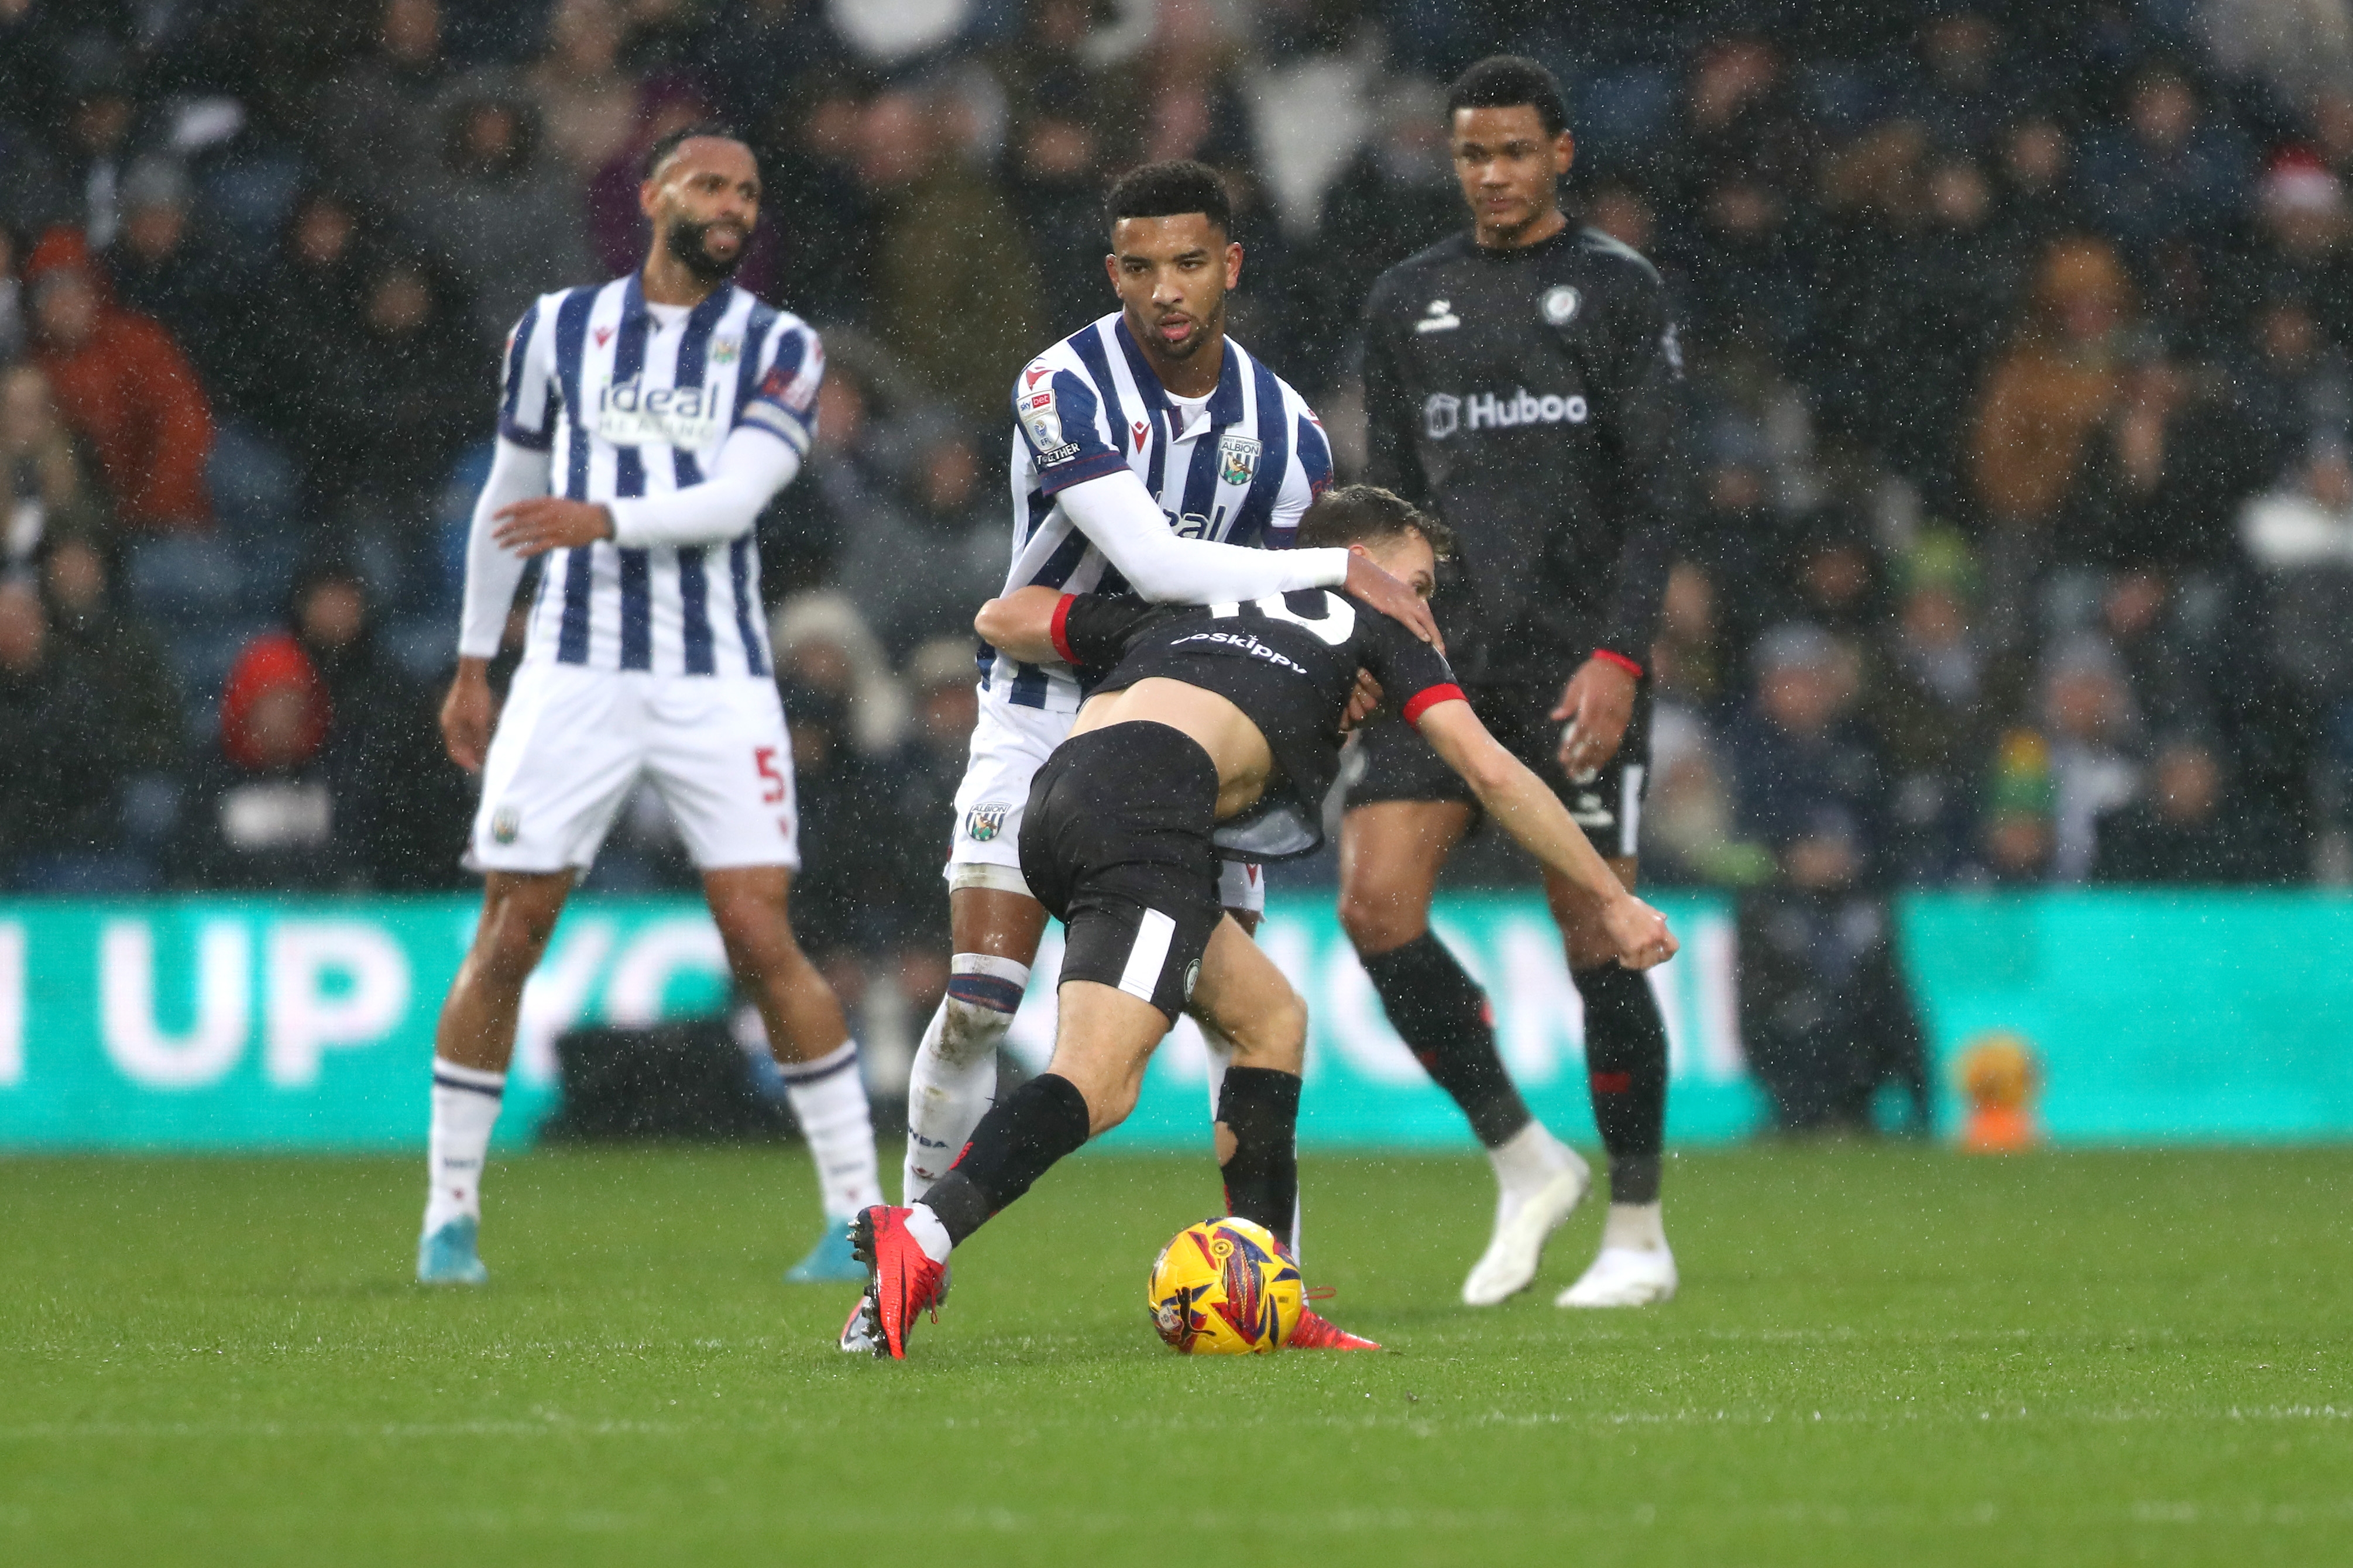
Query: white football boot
(1509,1263)
(1624,1276)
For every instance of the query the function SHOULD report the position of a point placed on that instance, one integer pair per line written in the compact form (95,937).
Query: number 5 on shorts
(763,758)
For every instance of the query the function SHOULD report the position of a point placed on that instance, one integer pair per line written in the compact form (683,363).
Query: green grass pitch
(1881,1356)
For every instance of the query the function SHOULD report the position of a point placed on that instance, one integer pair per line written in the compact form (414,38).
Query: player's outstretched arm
(1117,513)
(1533,815)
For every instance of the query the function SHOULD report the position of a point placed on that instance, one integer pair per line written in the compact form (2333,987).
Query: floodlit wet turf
(1881,1356)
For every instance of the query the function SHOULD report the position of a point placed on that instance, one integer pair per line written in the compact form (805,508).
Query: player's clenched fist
(1639,932)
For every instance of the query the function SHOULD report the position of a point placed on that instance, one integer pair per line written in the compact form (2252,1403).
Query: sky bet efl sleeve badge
(1236,460)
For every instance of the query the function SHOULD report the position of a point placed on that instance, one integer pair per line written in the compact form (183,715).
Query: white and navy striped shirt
(629,400)
(1241,472)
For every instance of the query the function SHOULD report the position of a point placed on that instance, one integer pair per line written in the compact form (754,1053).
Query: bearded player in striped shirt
(645,424)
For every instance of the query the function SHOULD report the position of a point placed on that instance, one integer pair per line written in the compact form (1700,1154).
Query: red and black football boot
(902,1280)
(1317,1333)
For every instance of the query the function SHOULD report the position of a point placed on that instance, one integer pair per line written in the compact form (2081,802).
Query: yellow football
(1225,1288)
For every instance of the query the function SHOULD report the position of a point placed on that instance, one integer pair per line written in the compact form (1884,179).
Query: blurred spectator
(823,647)
(48,486)
(2297,47)
(844,840)
(1057,187)
(1936,310)
(298,322)
(156,268)
(2162,474)
(2020,835)
(398,402)
(2299,249)
(1957,85)
(910,565)
(124,386)
(2185,830)
(58,796)
(586,101)
(400,807)
(940,219)
(2088,715)
(262,811)
(114,652)
(374,125)
(492,212)
(2052,386)
(2172,170)
(99,114)
(1395,198)
(918,798)
(2036,198)
(1810,783)
(2292,386)
(1824,1015)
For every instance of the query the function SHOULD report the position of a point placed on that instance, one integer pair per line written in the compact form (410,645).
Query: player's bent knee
(1376,921)
(1276,1037)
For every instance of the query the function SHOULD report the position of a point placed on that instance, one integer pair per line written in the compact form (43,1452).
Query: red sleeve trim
(1621,660)
(1432,696)
(1060,627)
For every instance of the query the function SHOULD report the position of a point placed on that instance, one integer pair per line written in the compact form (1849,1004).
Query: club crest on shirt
(724,349)
(1561,305)
(1236,458)
(985,821)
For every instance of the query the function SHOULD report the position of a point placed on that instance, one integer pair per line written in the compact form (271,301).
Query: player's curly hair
(1168,188)
(1506,81)
(1366,514)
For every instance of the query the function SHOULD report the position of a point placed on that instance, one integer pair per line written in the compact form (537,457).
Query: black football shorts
(1115,842)
(1398,764)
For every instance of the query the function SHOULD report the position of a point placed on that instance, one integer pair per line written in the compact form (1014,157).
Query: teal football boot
(447,1257)
(828,1262)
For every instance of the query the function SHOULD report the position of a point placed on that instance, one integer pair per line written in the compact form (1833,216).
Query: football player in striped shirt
(645,424)
(1155,455)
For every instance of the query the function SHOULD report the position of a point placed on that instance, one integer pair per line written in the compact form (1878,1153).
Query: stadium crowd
(2020,547)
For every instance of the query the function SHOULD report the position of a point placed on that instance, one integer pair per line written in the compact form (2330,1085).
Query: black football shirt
(1532,399)
(1289,661)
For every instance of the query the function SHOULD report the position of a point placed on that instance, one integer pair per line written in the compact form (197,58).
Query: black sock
(1014,1145)
(1626,1073)
(1261,1108)
(1444,1020)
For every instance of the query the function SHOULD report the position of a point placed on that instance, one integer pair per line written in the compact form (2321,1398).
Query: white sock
(954,1080)
(929,1232)
(1638,1227)
(828,1099)
(1528,1159)
(1220,1049)
(465,1106)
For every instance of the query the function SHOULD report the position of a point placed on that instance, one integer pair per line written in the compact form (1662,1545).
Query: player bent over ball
(1222,714)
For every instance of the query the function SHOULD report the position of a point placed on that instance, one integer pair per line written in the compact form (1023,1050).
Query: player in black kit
(1521,383)
(1216,727)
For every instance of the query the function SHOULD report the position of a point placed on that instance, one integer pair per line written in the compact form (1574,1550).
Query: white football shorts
(1008,746)
(572,742)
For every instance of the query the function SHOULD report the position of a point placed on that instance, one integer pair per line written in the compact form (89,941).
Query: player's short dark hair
(1168,188)
(659,153)
(1368,514)
(1507,81)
